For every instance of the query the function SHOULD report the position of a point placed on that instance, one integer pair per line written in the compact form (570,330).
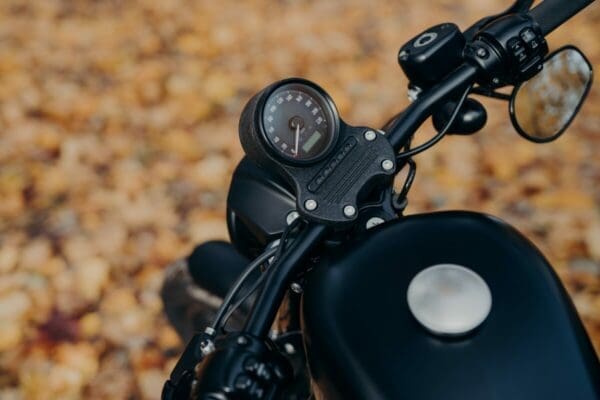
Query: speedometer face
(299,122)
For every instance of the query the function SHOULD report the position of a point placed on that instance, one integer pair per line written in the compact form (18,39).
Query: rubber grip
(550,14)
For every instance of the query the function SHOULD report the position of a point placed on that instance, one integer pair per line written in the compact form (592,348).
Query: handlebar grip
(550,14)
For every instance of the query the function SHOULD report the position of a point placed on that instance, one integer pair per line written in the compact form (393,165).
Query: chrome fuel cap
(449,300)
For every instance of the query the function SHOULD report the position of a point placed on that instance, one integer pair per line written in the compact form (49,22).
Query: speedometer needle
(297,140)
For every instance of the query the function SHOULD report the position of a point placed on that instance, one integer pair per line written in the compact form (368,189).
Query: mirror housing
(542,108)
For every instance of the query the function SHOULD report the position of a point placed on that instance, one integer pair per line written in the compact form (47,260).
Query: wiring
(419,149)
(239,283)
(400,201)
(241,301)
(227,308)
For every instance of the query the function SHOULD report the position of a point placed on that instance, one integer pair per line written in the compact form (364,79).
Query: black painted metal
(242,367)
(342,178)
(471,119)
(264,310)
(430,56)
(519,6)
(519,42)
(257,206)
(363,342)
(550,14)
(400,130)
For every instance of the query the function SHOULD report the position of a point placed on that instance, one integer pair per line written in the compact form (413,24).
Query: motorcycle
(347,298)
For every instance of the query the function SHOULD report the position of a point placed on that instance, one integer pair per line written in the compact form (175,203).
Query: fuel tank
(364,342)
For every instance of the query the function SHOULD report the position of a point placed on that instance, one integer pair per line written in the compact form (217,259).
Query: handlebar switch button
(530,38)
(243,382)
(251,364)
(517,49)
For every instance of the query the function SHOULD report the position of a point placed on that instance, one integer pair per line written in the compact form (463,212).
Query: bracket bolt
(387,165)
(349,211)
(370,135)
(310,205)
(296,287)
(291,217)
(289,348)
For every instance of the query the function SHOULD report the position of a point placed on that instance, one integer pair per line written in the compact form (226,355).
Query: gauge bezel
(331,111)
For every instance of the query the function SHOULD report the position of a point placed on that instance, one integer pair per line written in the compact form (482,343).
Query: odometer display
(299,122)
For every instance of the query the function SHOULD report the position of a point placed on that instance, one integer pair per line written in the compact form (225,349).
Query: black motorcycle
(348,299)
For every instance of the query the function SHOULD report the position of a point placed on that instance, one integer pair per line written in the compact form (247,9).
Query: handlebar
(550,14)
(401,130)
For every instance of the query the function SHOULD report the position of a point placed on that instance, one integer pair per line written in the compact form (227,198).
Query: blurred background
(118,137)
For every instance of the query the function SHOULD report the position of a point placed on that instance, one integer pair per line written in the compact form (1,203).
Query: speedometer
(300,122)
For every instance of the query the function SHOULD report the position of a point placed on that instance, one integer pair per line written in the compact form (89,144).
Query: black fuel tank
(363,342)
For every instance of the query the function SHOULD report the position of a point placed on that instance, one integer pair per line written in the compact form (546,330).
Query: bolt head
(242,341)
(387,165)
(289,348)
(310,205)
(210,331)
(296,287)
(370,135)
(481,52)
(496,81)
(291,217)
(207,347)
(349,211)
(374,221)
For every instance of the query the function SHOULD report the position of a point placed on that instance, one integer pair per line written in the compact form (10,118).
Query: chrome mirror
(543,107)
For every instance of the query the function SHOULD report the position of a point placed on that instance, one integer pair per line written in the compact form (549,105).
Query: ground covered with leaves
(118,137)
